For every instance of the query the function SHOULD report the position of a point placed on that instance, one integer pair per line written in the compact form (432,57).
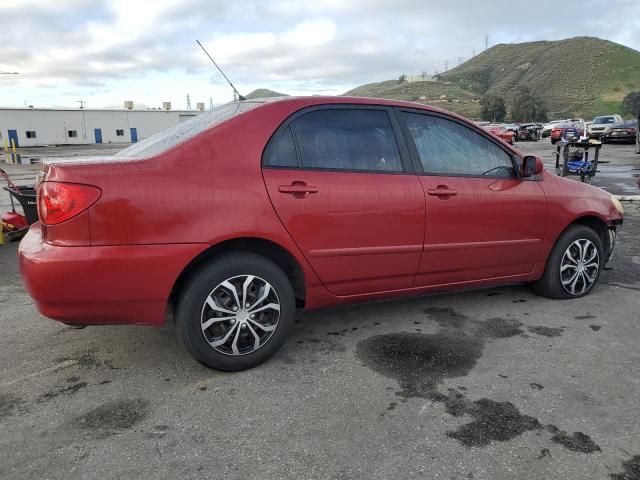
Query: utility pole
(210,103)
(486,42)
(188,102)
(446,65)
(460,60)
(81,102)
(474,52)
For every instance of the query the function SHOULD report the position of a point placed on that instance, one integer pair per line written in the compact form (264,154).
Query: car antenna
(240,97)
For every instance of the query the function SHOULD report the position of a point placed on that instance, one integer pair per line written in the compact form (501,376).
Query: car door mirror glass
(532,165)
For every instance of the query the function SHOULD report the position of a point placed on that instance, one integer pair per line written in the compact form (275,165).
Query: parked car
(621,132)
(600,124)
(547,127)
(529,131)
(501,132)
(229,222)
(560,130)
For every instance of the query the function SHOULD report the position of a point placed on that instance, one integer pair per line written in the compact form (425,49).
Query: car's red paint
(501,132)
(339,228)
(558,131)
(478,233)
(102,284)
(359,237)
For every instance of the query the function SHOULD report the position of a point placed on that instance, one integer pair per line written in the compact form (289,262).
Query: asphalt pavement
(490,384)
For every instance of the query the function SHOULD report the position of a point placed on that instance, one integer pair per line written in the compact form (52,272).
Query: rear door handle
(298,189)
(442,191)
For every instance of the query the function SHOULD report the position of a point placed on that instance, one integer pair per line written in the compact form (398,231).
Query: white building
(56,126)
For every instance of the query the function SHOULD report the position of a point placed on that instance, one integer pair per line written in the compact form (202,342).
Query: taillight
(59,202)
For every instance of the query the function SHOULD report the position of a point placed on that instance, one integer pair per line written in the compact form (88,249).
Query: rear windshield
(183,131)
(600,120)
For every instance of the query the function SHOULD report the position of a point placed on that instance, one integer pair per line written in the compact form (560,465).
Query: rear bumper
(618,138)
(102,284)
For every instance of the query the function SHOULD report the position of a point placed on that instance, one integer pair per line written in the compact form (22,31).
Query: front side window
(347,139)
(446,147)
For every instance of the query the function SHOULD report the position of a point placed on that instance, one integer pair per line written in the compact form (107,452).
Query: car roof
(302,102)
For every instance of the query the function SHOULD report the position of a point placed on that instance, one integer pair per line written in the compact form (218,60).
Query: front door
(98,134)
(483,220)
(134,134)
(13,138)
(338,183)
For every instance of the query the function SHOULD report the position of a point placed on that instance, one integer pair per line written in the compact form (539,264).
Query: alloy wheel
(579,267)
(240,315)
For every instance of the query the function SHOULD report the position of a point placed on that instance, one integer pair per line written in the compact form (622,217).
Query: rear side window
(281,151)
(449,148)
(347,139)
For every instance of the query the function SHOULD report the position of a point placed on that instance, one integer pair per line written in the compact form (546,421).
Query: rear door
(342,185)
(483,220)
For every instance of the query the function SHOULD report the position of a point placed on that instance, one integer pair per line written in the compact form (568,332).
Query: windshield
(601,120)
(183,131)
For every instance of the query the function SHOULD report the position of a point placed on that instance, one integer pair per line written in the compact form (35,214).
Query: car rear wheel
(235,312)
(574,266)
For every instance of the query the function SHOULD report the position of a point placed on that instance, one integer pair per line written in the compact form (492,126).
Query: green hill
(581,76)
(446,95)
(264,93)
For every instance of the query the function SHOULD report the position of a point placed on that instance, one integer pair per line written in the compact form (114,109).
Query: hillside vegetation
(447,95)
(264,93)
(581,76)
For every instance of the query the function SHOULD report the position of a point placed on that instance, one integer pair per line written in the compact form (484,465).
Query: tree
(493,108)
(631,104)
(527,107)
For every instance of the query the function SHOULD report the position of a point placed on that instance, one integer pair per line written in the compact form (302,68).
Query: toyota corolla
(232,221)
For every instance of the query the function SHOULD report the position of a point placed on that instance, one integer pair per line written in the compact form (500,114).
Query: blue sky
(105,52)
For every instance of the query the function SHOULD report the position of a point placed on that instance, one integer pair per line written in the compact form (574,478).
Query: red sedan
(561,129)
(501,132)
(233,220)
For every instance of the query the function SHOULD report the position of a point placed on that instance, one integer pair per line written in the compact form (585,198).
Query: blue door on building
(134,134)
(98,134)
(13,135)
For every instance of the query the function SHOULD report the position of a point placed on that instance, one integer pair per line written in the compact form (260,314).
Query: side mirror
(531,166)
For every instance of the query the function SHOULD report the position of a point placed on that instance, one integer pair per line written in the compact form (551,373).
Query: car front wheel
(235,312)
(574,266)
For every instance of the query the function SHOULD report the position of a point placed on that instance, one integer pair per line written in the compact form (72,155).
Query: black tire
(190,307)
(550,285)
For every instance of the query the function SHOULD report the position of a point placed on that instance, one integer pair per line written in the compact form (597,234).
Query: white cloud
(145,49)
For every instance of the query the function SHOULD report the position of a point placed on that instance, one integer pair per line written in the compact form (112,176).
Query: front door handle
(442,191)
(298,189)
